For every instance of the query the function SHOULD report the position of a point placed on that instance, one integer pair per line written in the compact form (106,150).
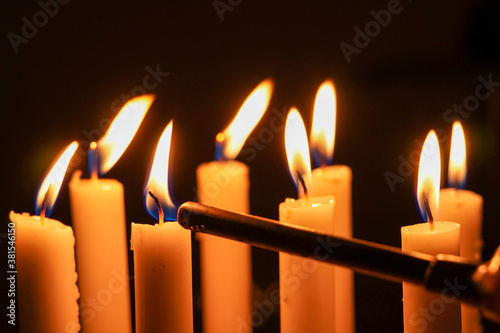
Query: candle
(98,214)
(333,180)
(226,272)
(464,207)
(45,262)
(424,311)
(307,288)
(162,257)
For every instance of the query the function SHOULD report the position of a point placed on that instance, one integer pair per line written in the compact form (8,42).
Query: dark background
(64,80)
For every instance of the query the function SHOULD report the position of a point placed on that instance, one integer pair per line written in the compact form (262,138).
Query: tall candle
(307,288)
(466,208)
(98,214)
(162,257)
(226,271)
(333,180)
(425,311)
(45,262)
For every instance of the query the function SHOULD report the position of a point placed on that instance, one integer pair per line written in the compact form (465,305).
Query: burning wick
(219,146)
(427,209)
(93,160)
(44,206)
(303,183)
(158,205)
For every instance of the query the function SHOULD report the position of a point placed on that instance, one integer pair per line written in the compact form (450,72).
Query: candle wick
(43,210)
(158,205)
(220,140)
(93,160)
(303,183)
(428,211)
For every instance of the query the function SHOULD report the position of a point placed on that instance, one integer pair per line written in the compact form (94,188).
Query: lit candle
(333,180)
(45,260)
(466,208)
(98,214)
(226,272)
(162,256)
(307,289)
(425,311)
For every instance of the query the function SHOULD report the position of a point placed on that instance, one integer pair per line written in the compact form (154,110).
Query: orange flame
(121,131)
(429,178)
(51,184)
(323,124)
(158,176)
(297,150)
(457,168)
(252,110)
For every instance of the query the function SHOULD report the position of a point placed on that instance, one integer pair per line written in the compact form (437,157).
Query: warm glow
(457,169)
(157,182)
(49,189)
(246,119)
(429,177)
(323,124)
(297,149)
(122,131)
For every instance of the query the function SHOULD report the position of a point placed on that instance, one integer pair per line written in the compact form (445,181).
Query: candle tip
(303,183)
(93,160)
(427,209)
(220,141)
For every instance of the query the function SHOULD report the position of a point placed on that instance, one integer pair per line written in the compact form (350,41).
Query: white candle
(45,261)
(226,271)
(307,288)
(335,180)
(98,214)
(466,208)
(162,256)
(425,311)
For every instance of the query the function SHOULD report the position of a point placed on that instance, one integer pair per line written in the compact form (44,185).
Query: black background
(64,80)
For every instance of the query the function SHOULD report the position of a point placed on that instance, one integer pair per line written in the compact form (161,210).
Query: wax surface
(307,286)
(98,214)
(163,278)
(425,311)
(226,267)
(336,180)
(46,276)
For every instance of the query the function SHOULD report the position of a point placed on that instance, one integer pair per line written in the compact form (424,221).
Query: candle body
(466,208)
(307,288)
(425,311)
(226,267)
(336,180)
(163,278)
(98,213)
(46,276)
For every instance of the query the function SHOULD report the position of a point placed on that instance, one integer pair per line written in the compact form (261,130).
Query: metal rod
(476,284)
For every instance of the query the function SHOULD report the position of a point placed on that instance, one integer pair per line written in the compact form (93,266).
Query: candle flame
(51,184)
(158,181)
(323,124)
(457,168)
(121,131)
(429,178)
(251,111)
(297,150)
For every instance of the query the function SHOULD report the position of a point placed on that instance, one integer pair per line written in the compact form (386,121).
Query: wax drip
(158,205)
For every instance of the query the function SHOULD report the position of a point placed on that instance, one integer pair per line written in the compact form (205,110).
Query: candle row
(320,299)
